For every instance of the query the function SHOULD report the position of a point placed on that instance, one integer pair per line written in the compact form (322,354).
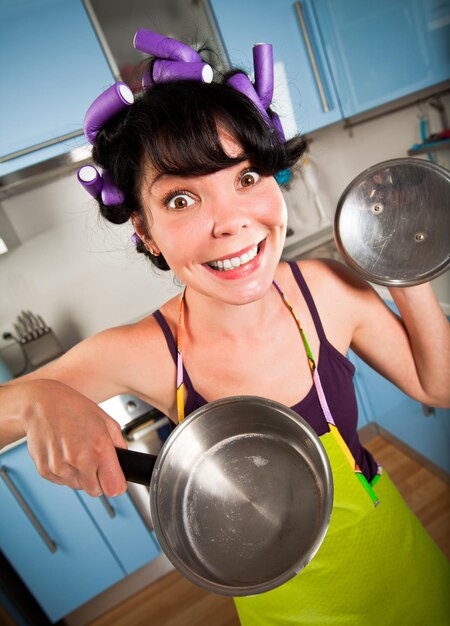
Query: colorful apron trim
(316,381)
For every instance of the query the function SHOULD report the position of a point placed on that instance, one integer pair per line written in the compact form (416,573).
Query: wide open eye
(249,178)
(179,201)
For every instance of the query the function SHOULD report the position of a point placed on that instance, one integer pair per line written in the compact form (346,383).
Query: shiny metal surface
(241,495)
(392,223)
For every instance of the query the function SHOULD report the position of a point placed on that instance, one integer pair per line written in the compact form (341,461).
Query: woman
(192,165)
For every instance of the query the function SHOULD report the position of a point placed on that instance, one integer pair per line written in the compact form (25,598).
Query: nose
(229,216)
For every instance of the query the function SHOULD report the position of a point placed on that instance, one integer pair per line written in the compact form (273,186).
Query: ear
(142,232)
(139,226)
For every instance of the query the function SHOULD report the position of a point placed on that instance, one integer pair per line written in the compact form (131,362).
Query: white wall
(78,272)
(82,275)
(339,155)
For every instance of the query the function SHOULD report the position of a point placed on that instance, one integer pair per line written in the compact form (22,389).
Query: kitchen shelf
(432,146)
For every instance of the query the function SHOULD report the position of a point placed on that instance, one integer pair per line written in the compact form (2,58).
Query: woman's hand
(71,440)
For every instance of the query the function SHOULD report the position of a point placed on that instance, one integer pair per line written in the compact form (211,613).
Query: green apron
(376,566)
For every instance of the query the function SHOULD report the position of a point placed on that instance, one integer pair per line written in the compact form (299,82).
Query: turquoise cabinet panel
(381,51)
(242,24)
(124,530)
(69,562)
(342,57)
(382,402)
(52,68)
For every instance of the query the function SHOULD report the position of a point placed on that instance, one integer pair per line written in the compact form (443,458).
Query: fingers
(111,478)
(115,432)
(94,469)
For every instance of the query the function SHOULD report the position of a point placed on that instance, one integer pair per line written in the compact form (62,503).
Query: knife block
(42,349)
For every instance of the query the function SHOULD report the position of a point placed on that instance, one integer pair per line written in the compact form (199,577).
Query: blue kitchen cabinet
(242,24)
(123,529)
(52,68)
(341,57)
(66,561)
(381,51)
(74,547)
(382,402)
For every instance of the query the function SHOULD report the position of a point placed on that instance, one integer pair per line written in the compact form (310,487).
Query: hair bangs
(183,137)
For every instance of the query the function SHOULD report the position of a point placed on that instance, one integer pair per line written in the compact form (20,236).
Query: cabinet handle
(428,410)
(51,545)
(312,58)
(109,509)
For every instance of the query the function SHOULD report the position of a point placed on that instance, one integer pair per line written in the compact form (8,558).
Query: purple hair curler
(110,194)
(135,238)
(165,71)
(276,123)
(263,66)
(242,83)
(147,80)
(105,107)
(163,47)
(91,180)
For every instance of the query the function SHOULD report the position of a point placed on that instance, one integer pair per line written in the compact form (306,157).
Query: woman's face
(222,234)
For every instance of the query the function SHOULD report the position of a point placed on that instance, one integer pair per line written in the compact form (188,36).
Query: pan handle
(137,466)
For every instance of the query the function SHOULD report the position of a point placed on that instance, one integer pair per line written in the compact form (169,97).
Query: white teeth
(236,261)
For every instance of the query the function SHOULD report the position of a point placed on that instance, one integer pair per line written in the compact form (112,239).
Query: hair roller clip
(110,194)
(105,107)
(276,123)
(263,66)
(242,83)
(147,80)
(165,71)
(97,184)
(90,179)
(158,45)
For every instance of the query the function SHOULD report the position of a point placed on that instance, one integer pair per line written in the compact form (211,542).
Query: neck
(202,313)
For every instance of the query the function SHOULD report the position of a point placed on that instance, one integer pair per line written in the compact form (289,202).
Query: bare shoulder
(341,298)
(331,277)
(132,358)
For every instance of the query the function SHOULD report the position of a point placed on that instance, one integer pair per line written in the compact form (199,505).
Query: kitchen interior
(65,275)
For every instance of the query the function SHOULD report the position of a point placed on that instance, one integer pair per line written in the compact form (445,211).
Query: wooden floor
(173,601)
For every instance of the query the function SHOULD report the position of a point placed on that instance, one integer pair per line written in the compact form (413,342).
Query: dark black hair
(174,128)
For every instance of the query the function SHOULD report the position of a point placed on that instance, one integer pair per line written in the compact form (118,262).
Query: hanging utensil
(392,223)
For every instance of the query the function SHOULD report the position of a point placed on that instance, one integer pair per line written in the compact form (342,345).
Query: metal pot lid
(241,495)
(392,223)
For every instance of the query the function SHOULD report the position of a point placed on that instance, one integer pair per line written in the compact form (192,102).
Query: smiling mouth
(233,263)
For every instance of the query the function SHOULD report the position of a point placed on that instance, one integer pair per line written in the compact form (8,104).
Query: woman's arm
(429,336)
(70,438)
(412,351)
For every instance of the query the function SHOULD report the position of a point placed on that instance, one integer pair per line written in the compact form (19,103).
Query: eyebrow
(163,175)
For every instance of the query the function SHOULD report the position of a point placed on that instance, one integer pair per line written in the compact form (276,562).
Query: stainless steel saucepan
(392,223)
(240,494)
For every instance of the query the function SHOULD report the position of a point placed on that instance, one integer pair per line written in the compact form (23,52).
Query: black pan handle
(137,466)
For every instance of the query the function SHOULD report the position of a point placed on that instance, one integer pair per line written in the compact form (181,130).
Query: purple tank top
(336,373)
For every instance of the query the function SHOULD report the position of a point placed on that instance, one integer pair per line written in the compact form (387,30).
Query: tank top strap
(172,345)
(309,300)
(170,339)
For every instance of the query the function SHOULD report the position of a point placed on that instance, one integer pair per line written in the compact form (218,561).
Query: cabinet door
(297,87)
(381,51)
(64,563)
(52,68)
(382,402)
(124,530)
